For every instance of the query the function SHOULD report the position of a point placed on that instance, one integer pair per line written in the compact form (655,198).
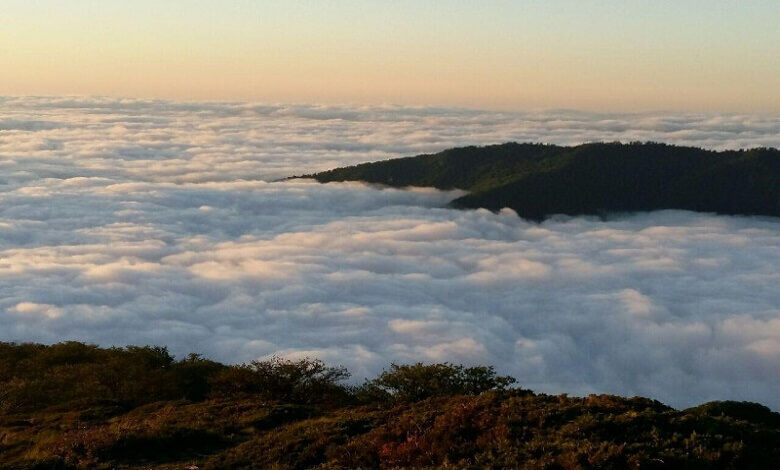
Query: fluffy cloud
(156,222)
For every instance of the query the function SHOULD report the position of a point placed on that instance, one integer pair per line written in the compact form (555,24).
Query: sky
(613,55)
(142,143)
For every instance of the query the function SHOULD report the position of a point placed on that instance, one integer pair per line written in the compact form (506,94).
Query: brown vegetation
(73,405)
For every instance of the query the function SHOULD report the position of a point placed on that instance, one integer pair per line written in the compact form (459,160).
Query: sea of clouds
(155,222)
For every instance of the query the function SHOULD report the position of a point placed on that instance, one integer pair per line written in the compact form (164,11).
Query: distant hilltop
(539,180)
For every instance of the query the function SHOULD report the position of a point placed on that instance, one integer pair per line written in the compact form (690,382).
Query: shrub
(419,381)
(291,381)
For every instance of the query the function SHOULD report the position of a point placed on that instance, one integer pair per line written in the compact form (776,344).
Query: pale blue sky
(610,54)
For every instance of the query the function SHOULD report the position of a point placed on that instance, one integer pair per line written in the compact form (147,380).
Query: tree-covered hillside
(540,180)
(73,405)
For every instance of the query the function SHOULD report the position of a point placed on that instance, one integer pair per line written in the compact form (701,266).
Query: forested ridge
(75,405)
(538,180)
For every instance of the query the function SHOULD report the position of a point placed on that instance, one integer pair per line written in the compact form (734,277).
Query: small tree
(302,381)
(190,376)
(420,381)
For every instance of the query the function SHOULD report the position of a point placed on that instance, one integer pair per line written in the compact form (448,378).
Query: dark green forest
(539,180)
(75,405)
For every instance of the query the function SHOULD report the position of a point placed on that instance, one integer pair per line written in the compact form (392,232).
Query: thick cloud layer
(153,222)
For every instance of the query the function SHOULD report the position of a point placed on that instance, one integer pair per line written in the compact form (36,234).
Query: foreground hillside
(73,405)
(539,180)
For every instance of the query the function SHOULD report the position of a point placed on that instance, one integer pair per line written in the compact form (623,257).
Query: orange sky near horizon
(608,55)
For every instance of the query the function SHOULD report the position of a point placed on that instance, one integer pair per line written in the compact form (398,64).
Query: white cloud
(32,309)
(153,222)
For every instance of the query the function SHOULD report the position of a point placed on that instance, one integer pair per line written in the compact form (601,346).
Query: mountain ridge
(540,180)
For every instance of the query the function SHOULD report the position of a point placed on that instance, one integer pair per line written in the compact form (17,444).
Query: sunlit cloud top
(603,55)
(129,221)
